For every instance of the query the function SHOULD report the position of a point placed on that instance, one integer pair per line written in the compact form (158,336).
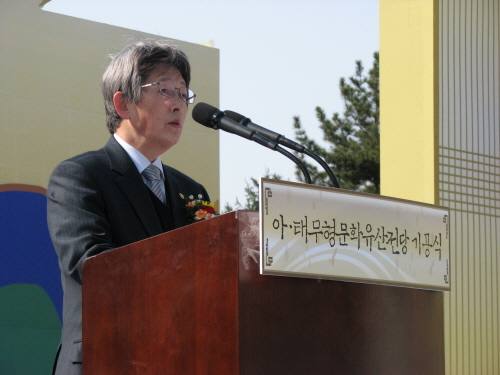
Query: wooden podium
(192,301)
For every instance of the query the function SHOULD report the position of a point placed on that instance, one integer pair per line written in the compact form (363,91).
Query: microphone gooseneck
(282,140)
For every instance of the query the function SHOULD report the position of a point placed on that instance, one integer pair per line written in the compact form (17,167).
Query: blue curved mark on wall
(26,252)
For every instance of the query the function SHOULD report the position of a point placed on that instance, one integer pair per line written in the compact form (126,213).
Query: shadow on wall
(30,284)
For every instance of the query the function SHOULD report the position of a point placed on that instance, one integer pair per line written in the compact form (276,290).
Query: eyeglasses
(167,89)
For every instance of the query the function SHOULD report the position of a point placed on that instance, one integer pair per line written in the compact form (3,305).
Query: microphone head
(206,115)
(238,118)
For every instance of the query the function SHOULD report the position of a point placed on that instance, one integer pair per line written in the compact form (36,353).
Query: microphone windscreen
(203,113)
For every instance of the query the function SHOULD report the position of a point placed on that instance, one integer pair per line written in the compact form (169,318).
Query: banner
(326,233)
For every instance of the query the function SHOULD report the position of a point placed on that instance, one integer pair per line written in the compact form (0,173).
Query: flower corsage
(198,209)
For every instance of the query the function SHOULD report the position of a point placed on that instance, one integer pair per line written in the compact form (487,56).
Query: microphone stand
(282,140)
(324,165)
(266,142)
(297,161)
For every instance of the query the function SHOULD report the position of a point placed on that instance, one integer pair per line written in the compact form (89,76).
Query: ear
(121,105)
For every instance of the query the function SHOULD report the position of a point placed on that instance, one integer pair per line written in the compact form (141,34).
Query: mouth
(175,122)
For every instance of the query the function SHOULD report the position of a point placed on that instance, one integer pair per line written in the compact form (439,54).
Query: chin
(167,145)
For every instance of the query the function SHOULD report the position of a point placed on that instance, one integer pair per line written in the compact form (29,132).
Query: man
(100,200)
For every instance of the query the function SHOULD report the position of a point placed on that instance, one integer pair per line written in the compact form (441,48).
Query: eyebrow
(171,80)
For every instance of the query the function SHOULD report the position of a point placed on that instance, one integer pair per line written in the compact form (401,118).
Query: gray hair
(128,70)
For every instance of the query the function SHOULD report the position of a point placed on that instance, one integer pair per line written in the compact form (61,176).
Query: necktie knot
(152,172)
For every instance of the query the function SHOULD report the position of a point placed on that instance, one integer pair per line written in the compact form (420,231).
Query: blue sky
(278,59)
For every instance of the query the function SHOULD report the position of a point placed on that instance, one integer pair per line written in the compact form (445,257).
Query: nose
(176,102)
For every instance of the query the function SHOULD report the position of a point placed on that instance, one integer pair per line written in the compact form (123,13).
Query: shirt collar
(140,161)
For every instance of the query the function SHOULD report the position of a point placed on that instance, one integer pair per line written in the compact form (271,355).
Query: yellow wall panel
(408,99)
(51,106)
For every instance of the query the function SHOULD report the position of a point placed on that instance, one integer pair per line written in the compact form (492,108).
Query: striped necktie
(154,181)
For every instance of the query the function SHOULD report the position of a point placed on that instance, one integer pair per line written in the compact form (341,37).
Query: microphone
(211,117)
(278,138)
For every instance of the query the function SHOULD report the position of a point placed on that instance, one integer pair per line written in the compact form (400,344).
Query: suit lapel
(132,185)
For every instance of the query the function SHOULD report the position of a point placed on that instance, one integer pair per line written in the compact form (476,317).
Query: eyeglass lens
(168,89)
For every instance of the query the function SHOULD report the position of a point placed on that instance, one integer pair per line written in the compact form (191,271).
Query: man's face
(157,120)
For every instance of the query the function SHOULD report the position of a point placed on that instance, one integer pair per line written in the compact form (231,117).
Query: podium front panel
(192,301)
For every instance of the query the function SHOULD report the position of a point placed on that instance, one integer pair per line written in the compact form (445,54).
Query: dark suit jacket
(96,202)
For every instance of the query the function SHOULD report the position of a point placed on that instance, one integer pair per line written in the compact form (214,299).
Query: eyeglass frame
(185,100)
